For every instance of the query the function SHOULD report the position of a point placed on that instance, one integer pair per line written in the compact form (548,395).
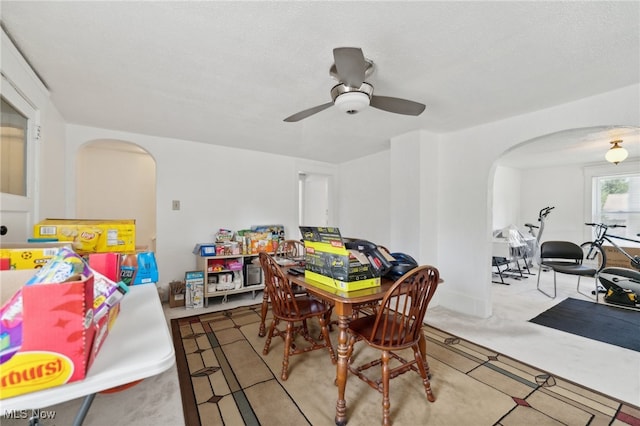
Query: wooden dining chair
(397,325)
(290,249)
(287,251)
(295,310)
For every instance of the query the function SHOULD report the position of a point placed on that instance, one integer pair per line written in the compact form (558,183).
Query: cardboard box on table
(60,338)
(329,262)
(29,255)
(89,235)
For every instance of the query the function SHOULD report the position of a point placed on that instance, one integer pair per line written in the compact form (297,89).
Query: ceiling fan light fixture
(352,102)
(616,153)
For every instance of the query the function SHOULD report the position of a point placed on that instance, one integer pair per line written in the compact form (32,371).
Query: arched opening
(552,170)
(117,180)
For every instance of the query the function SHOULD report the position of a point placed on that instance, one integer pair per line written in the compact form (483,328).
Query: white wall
(406,194)
(364,199)
(53,162)
(218,187)
(507,194)
(559,187)
(117,180)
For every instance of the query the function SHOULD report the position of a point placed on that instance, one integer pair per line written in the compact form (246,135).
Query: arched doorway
(117,180)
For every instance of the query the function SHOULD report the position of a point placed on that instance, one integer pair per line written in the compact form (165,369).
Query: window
(616,201)
(13,150)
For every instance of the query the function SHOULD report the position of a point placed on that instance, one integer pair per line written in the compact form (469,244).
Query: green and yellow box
(29,255)
(91,235)
(329,262)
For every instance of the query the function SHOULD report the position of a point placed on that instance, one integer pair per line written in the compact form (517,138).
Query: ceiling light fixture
(351,99)
(616,153)
(352,102)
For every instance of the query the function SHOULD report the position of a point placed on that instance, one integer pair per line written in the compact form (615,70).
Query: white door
(314,199)
(18,153)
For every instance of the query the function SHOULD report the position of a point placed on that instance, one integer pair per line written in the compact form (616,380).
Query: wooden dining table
(343,306)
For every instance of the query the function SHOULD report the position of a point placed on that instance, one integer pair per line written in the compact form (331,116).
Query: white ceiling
(228,73)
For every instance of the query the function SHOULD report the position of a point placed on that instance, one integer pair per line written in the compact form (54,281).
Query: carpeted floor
(610,324)
(225,379)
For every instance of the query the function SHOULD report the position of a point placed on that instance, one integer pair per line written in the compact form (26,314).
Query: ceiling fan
(352,93)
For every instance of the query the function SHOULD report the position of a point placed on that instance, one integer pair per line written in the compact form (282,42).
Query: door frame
(27,205)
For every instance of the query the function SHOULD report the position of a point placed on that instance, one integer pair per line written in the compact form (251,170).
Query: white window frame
(626,168)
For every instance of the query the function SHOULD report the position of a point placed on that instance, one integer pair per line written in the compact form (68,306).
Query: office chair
(565,257)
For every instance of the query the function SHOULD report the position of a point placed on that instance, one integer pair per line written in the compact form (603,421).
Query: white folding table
(138,346)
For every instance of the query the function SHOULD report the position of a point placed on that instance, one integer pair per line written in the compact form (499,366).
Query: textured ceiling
(228,73)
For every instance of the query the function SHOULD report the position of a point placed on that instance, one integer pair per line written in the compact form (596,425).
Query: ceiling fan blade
(350,65)
(307,112)
(397,105)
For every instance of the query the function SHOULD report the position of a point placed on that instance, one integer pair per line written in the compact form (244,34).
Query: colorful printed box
(91,236)
(29,255)
(50,333)
(329,262)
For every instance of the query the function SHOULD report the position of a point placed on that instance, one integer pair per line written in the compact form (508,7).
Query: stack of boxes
(85,237)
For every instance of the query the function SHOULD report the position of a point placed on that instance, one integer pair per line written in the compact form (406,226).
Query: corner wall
(364,198)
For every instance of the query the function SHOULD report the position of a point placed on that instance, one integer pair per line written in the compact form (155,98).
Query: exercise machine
(536,232)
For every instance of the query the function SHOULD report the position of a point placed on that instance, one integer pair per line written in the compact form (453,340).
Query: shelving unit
(225,275)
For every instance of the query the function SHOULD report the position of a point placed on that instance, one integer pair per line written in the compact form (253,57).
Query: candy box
(60,335)
(29,255)
(57,336)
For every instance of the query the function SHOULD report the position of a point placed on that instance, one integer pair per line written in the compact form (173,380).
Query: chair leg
(267,342)
(288,340)
(386,404)
(554,284)
(586,294)
(496,264)
(263,313)
(327,340)
(424,373)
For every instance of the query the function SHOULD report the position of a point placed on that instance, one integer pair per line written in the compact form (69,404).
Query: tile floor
(609,369)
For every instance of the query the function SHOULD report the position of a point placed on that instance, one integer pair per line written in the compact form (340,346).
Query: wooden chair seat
(366,326)
(307,308)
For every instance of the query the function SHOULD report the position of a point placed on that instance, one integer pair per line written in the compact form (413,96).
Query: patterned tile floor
(473,384)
